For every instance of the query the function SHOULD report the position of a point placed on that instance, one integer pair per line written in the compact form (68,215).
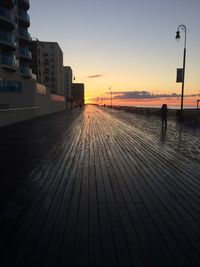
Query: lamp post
(110,96)
(182,27)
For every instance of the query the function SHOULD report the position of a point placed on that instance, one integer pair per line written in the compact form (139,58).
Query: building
(47,64)
(78,93)
(68,78)
(21,97)
(15,74)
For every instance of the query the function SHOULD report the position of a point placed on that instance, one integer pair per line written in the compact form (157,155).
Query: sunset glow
(126,45)
(171,102)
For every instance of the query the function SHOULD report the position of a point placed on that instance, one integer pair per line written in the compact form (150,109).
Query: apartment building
(21,97)
(78,94)
(47,64)
(16,77)
(68,78)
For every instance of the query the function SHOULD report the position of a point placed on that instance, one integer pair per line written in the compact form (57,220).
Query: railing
(198,103)
(25,1)
(25,53)
(8,3)
(8,38)
(23,14)
(191,116)
(25,34)
(10,116)
(9,61)
(26,71)
(7,14)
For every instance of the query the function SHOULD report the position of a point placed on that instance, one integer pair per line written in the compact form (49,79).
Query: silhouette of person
(164,111)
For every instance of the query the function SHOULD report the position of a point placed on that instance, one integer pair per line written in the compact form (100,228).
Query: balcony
(23,4)
(9,4)
(7,19)
(7,40)
(8,62)
(26,71)
(24,18)
(25,53)
(24,36)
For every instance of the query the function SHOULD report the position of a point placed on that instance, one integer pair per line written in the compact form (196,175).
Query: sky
(128,46)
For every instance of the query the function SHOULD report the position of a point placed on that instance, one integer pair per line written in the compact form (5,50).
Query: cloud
(95,76)
(144,95)
(137,96)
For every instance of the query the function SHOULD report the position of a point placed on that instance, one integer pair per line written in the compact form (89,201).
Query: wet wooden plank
(108,196)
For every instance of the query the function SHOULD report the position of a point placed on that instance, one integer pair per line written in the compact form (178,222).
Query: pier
(91,188)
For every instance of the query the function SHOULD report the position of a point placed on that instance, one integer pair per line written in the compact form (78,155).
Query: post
(183,27)
(183,82)
(110,96)
(198,103)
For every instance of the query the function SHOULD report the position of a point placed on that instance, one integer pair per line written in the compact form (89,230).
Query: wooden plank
(109,256)
(107,196)
(145,241)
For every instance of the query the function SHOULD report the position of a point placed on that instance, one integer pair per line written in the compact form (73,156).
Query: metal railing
(24,15)
(25,34)
(25,52)
(8,38)
(9,61)
(7,14)
(26,71)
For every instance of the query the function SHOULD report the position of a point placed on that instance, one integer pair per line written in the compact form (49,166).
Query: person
(164,111)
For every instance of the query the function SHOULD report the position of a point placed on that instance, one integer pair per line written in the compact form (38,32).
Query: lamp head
(178,35)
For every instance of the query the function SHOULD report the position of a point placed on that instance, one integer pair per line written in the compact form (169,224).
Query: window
(46,62)
(10,86)
(46,79)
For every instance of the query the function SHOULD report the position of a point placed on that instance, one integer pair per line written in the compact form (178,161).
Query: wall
(10,116)
(42,99)
(41,102)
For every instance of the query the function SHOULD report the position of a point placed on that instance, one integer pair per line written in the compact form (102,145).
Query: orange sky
(128,45)
(171,102)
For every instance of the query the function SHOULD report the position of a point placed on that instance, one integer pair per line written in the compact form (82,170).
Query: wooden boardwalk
(106,196)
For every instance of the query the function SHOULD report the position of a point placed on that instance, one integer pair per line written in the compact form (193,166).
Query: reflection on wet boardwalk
(106,196)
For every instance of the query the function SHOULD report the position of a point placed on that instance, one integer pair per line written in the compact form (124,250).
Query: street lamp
(182,27)
(110,96)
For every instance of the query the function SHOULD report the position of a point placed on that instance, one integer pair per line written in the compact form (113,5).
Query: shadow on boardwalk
(25,144)
(105,195)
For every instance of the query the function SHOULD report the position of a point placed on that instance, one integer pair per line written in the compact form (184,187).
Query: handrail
(9,38)
(7,14)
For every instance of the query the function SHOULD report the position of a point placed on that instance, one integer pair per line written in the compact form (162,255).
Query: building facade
(68,78)
(21,97)
(47,64)
(78,94)
(15,73)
